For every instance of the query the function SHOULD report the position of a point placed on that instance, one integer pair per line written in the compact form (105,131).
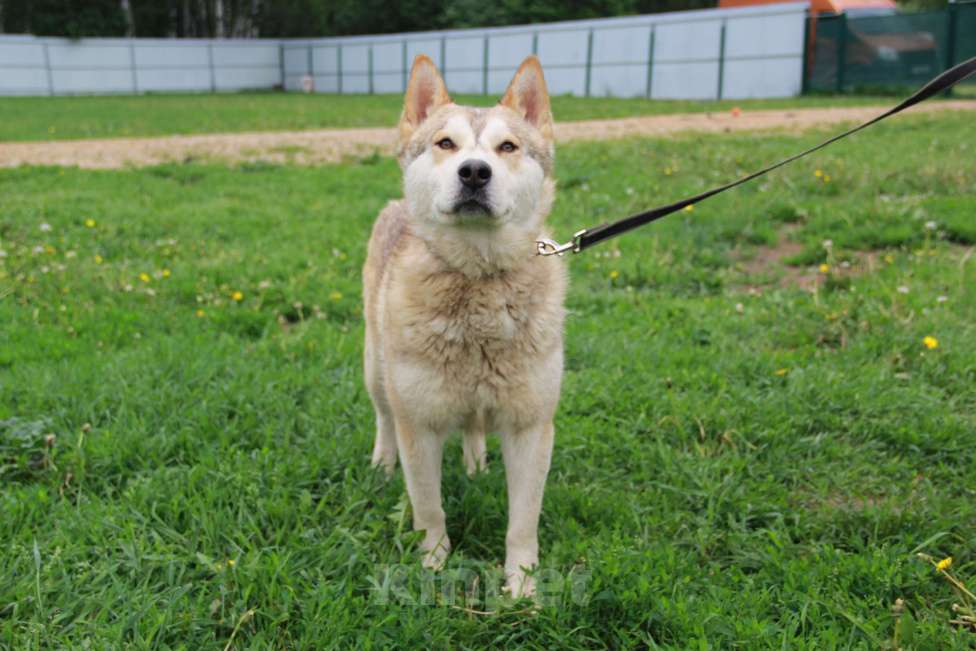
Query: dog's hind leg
(385,445)
(475,449)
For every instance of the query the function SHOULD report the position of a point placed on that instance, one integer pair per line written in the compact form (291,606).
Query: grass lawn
(61,118)
(739,463)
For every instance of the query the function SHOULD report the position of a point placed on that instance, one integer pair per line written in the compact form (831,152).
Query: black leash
(589,236)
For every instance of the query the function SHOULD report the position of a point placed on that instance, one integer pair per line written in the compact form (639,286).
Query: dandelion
(335,296)
(166,273)
(45,227)
(930,225)
(781,371)
(689,207)
(90,223)
(930,342)
(944,564)
(941,299)
(50,250)
(826,178)
(668,171)
(614,274)
(828,244)
(3,254)
(902,289)
(264,284)
(201,314)
(70,254)
(144,277)
(818,173)
(890,259)
(740,308)
(231,562)
(237,296)
(824,268)
(98,259)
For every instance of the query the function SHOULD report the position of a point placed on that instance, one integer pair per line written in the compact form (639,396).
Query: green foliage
(71,18)
(740,463)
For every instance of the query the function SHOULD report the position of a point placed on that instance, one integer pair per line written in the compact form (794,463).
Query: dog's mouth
(472,205)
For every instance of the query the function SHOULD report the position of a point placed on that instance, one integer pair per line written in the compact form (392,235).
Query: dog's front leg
(421,453)
(527,454)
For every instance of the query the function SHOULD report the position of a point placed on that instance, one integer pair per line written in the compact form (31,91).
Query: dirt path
(332,145)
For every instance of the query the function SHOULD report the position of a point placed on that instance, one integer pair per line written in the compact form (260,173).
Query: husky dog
(463,320)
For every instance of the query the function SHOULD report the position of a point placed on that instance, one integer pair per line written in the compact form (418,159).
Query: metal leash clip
(551,247)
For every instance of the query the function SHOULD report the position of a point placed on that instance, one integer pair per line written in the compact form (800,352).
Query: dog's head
(477,168)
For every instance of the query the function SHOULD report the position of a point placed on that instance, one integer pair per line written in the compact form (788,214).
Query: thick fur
(463,321)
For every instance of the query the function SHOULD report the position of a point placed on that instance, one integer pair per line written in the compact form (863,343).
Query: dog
(464,323)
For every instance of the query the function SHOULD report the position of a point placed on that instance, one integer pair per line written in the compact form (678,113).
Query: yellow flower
(826,178)
(930,342)
(824,268)
(335,296)
(890,259)
(90,223)
(614,274)
(667,171)
(231,562)
(144,277)
(781,371)
(944,564)
(689,207)
(166,273)
(98,259)
(818,173)
(237,296)
(50,249)
(201,314)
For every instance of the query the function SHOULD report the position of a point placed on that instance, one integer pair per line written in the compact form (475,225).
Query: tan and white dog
(463,321)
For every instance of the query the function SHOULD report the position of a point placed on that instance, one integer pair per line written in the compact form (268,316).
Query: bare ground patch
(334,145)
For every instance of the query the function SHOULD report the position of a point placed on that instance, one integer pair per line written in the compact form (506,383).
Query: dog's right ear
(426,93)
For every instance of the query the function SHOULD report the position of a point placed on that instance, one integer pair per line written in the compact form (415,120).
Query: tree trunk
(130,23)
(219,18)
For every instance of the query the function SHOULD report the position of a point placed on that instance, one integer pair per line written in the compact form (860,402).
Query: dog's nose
(475,173)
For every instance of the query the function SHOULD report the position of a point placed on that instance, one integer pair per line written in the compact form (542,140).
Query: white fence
(715,53)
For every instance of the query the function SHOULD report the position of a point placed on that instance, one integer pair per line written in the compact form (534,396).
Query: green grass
(733,468)
(46,118)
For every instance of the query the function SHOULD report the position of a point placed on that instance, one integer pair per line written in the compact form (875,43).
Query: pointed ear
(528,96)
(426,93)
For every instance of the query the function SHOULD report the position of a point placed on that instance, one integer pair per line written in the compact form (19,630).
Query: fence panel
(890,52)
(675,55)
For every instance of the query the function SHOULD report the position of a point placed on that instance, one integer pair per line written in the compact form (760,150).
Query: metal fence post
(589,61)
(132,65)
(443,60)
(404,70)
(841,52)
(47,70)
(281,64)
(213,72)
(721,60)
(952,37)
(535,43)
(805,68)
(370,68)
(339,67)
(484,67)
(650,62)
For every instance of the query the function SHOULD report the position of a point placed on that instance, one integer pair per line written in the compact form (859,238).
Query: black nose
(475,173)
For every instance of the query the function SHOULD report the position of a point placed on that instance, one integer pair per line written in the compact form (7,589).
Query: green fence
(885,53)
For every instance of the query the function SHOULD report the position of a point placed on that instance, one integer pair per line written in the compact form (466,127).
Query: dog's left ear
(528,96)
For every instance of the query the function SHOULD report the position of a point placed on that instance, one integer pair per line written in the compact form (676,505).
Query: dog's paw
(385,458)
(436,550)
(519,585)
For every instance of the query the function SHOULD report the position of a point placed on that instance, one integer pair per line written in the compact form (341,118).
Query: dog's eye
(445,143)
(507,147)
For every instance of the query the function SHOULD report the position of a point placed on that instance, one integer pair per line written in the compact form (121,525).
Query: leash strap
(589,236)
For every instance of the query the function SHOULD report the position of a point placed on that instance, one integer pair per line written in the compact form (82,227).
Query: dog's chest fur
(483,345)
